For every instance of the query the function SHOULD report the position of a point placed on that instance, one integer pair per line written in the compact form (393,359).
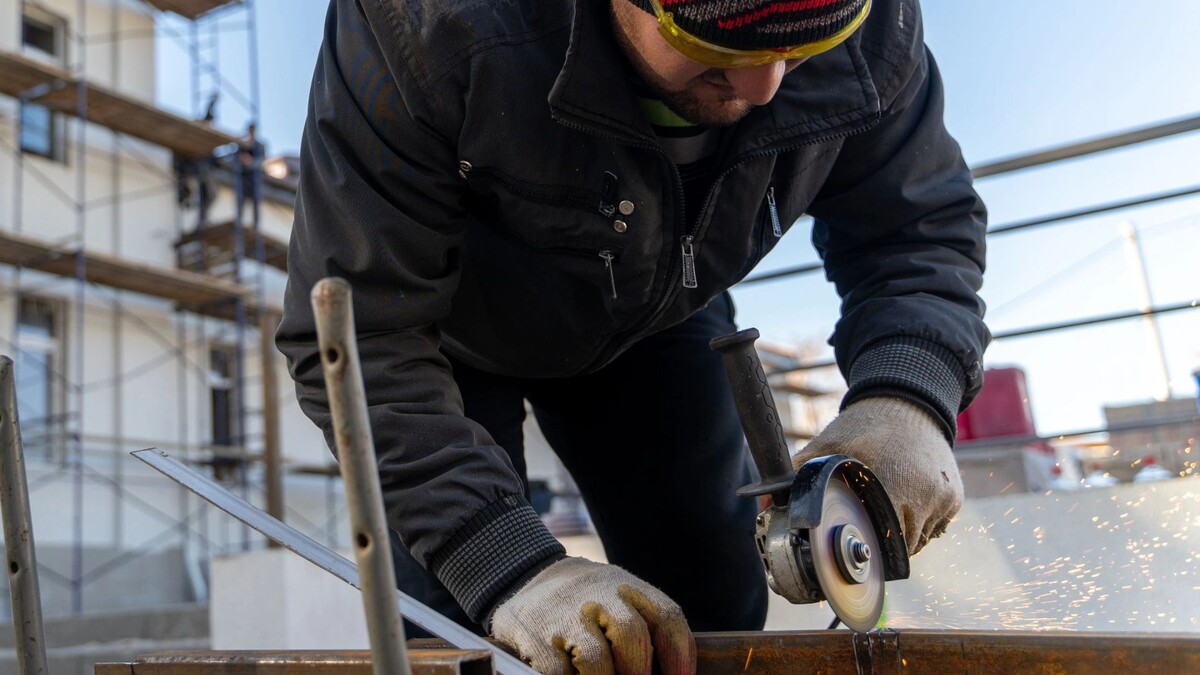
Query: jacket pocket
(540,214)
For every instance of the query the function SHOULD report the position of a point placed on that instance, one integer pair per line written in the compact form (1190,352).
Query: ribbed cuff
(501,544)
(915,369)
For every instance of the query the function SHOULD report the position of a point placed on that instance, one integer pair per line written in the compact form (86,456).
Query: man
(250,154)
(546,200)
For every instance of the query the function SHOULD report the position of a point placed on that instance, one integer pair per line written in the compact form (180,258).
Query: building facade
(131,323)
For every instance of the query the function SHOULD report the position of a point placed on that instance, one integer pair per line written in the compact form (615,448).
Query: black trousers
(655,446)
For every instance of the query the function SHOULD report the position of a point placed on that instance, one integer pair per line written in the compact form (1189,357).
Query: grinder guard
(808,495)
(836,539)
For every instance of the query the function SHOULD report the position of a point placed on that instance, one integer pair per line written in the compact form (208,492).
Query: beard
(709,111)
(695,101)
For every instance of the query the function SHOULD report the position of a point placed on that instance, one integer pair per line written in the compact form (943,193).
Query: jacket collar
(830,95)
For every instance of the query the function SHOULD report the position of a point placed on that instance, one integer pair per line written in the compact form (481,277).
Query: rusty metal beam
(945,652)
(938,652)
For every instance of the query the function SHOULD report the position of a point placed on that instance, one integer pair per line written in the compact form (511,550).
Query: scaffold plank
(198,249)
(190,9)
(57,89)
(198,292)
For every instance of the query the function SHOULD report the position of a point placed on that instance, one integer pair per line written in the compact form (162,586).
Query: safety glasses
(717,56)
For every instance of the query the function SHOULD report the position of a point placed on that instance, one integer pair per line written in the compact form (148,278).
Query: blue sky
(1020,75)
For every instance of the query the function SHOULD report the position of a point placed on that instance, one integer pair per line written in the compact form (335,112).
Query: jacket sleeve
(901,232)
(380,206)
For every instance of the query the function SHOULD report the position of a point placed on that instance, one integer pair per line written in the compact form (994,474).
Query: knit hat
(760,24)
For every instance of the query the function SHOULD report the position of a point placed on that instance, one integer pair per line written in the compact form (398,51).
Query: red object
(1149,460)
(1001,409)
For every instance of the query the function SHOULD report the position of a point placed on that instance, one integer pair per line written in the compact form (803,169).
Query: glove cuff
(915,369)
(505,542)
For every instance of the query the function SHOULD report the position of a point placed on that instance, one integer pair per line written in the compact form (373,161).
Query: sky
(1020,76)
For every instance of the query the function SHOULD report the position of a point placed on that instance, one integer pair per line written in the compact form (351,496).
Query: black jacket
(462,166)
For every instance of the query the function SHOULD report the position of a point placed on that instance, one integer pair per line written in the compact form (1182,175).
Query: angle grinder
(830,532)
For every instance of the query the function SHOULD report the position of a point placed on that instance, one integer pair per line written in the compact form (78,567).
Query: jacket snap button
(625,207)
(620,225)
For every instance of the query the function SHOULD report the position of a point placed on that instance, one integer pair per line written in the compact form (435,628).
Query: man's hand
(903,445)
(578,615)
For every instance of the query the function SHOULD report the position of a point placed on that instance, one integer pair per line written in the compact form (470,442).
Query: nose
(757,84)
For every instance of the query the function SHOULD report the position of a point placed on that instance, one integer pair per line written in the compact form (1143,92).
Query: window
(222,369)
(43,33)
(44,37)
(37,365)
(39,132)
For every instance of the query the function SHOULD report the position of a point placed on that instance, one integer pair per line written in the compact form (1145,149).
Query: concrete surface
(74,644)
(274,599)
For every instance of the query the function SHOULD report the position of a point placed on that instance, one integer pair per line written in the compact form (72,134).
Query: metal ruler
(304,546)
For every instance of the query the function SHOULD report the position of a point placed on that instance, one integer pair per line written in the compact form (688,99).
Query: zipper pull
(608,196)
(689,263)
(608,264)
(775,226)
(464,167)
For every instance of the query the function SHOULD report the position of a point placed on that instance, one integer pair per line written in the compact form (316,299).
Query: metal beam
(424,662)
(305,547)
(1088,147)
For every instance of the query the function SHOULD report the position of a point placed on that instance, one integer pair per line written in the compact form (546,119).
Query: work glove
(581,616)
(905,447)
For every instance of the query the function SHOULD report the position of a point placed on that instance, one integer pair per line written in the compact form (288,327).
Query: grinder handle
(756,409)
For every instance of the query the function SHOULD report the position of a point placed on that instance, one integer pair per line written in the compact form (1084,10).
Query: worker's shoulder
(892,42)
(436,37)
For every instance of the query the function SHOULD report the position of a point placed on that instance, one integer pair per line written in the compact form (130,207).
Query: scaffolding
(217,287)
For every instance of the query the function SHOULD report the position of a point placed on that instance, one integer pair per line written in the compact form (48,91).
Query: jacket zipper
(689,263)
(608,264)
(775,226)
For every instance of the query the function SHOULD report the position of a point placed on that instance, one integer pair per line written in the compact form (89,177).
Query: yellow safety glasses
(717,56)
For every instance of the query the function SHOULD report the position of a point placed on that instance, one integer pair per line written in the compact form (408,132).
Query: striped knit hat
(760,24)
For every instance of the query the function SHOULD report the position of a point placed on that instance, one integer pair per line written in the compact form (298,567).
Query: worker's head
(712,60)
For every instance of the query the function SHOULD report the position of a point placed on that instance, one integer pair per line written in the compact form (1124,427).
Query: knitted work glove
(579,615)
(906,449)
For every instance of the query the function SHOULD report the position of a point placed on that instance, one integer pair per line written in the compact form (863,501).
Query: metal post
(18,533)
(334,312)
(118,310)
(239,350)
(81,168)
(1137,260)
(272,459)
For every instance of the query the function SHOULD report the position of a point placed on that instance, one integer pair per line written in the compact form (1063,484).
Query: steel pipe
(18,533)
(331,301)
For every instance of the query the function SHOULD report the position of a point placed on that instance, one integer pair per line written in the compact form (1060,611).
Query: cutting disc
(858,605)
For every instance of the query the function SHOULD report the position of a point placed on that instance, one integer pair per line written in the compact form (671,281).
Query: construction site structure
(139,301)
(135,321)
